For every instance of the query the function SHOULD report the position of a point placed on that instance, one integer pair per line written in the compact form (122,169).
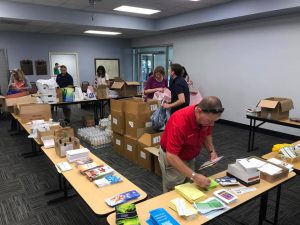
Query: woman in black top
(180,95)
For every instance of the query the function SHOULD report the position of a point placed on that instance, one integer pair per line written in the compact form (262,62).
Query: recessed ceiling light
(125,8)
(101,32)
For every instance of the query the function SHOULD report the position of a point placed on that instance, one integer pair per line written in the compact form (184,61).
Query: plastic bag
(163,96)
(159,118)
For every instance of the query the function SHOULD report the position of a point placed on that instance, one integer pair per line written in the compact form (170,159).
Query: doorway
(146,59)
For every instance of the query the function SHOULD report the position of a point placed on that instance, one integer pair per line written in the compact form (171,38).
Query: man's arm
(208,143)
(179,165)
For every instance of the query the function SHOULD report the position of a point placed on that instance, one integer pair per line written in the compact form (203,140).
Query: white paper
(143,155)
(64,166)
(115,121)
(118,142)
(131,124)
(156,140)
(129,148)
(270,169)
(148,124)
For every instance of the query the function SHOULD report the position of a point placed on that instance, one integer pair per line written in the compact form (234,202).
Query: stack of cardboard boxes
(132,129)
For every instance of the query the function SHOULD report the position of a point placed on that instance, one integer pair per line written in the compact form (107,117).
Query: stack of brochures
(126,215)
(184,209)
(107,180)
(122,198)
(190,192)
(209,205)
(98,172)
(161,217)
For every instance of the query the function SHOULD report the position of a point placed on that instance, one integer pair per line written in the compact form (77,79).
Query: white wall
(241,63)
(36,46)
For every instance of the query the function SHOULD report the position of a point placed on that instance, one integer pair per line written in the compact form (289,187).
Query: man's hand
(201,181)
(213,155)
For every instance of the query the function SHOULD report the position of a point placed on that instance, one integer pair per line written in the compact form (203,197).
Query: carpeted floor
(23,182)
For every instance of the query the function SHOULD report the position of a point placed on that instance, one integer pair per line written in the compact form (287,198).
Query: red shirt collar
(191,117)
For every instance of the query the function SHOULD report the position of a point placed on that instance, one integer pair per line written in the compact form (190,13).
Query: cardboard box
(118,144)
(88,121)
(31,112)
(157,169)
(50,132)
(126,88)
(146,159)
(66,144)
(130,148)
(102,91)
(64,133)
(135,125)
(118,104)
(27,99)
(138,106)
(275,108)
(118,121)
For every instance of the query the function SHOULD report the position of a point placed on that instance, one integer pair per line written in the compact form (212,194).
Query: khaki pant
(170,176)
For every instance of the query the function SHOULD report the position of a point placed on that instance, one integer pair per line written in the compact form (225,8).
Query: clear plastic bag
(159,118)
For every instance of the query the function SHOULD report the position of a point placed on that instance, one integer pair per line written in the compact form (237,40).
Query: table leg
(277,205)
(263,208)
(60,189)
(34,151)
(253,135)
(65,196)
(250,136)
(96,116)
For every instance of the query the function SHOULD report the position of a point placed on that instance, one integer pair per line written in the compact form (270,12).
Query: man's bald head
(211,104)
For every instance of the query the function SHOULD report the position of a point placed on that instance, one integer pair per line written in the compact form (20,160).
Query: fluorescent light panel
(101,32)
(131,9)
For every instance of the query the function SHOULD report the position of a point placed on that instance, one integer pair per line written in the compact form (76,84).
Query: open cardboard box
(126,88)
(29,112)
(102,91)
(275,108)
(146,158)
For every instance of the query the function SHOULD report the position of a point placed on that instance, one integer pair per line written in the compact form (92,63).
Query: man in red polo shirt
(186,132)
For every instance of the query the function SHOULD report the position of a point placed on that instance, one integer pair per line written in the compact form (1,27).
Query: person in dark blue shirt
(64,79)
(180,94)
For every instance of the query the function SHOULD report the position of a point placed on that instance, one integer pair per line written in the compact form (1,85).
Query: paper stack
(211,204)
(77,154)
(183,208)
(190,192)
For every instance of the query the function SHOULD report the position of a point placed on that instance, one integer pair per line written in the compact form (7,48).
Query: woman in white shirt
(101,76)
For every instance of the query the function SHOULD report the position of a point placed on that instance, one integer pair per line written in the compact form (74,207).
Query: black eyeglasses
(215,111)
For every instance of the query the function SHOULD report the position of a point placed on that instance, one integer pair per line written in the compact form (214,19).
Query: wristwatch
(193,175)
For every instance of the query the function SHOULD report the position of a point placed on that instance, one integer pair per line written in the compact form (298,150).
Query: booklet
(122,198)
(210,163)
(209,205)
(126,215)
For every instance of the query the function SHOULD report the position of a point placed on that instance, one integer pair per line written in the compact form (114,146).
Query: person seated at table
(101,76)
(18,82)
(63,80)
(156,82)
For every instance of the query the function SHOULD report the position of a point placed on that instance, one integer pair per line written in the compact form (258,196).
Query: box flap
(117,85)
(268,104)
(132,83)
(286,105)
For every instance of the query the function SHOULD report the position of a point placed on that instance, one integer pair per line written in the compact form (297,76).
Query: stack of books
(190,192)
(83,161)
(160,217)
(77,154)
(85,167)
(126,215)
(98,172)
